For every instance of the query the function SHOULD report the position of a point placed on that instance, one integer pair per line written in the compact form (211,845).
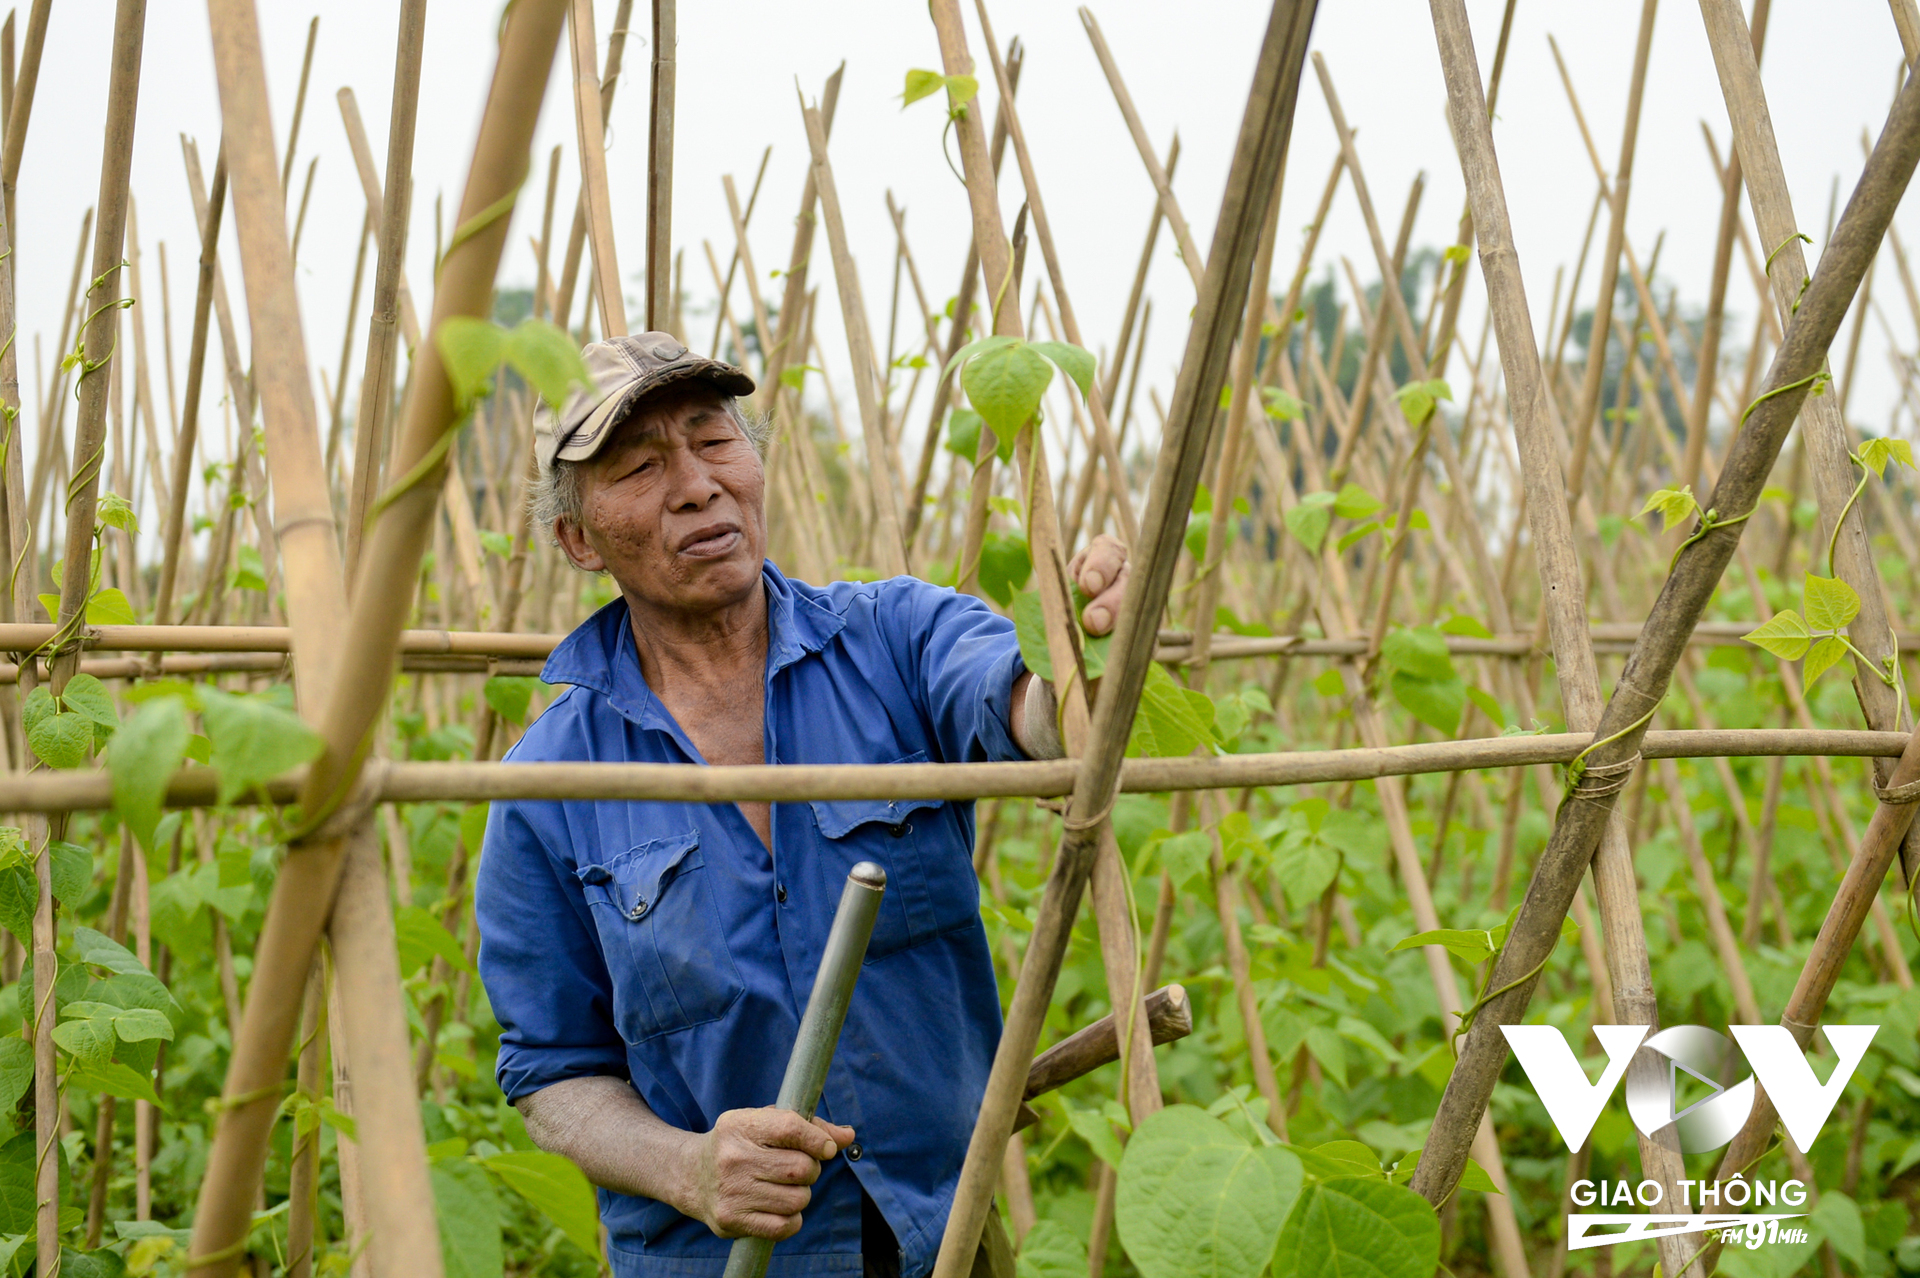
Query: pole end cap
(869,875)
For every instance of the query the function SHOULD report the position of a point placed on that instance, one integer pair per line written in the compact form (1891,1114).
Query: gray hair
(556,490)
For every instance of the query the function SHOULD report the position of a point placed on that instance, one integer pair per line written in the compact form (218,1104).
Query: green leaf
(1876,453)
(1785,636)
(558,1190)
(114,1079)
(1281,406)
(88,1040)
(921,84)
(1419,399)
(497,544)
(91,1264)
(1830,603)
(249,571)
(510,696)
(1329,683)
(1305,867)
(963,434)
(1822,657)
(1475,945)
(1238,842)
(1051,1250)
(1355,502)
(1195,1200)
(1309,520)
(1355,536)
(1349,1227)
(16,1071)
(1353,1153)
(1005,565)
(547,358)
(1676,505)
(961,89)
(1488,706)
(794,376)
(1466,627)
(422,937)
(469,1215)
(110,607)
(470,349)
(115,511)
(1836,1218)
(473,826)
(1030,628)
(1457,253)
(87,696)
(1005,384)
(1418,650)
(1172,720)
(61,740)
(1330,1050)
(253,740)
(1184,857)
(72,872)
(142,758)
(1094,1127)
(1074,361)
(1437,703)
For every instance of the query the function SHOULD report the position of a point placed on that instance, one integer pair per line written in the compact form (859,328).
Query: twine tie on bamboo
(1898,795)
(1604,780)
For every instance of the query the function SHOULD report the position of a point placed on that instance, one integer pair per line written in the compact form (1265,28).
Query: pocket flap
(634,879)
(841,818)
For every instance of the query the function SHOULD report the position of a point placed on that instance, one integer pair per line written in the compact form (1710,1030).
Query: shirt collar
(599,655)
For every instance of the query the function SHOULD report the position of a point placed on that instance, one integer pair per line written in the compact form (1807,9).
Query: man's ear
(573,542)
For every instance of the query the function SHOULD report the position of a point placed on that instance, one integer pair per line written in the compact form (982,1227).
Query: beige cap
(624,371)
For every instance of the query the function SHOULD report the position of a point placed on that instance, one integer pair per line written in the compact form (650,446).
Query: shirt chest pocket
(662,935)
(921,843)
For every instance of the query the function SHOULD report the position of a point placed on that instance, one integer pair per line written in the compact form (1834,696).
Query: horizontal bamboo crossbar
(832,782)
(504,652)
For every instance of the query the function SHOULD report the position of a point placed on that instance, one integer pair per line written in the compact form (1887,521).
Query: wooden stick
(1644,681)
(377,375)
(789,783)
(1259,154)
(173,533)
(591,132)
(21,109)
(889,546)
(660,164)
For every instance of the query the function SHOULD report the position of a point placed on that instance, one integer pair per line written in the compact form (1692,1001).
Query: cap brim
(590,436)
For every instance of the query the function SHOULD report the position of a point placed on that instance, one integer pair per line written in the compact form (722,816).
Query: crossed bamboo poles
(304,540)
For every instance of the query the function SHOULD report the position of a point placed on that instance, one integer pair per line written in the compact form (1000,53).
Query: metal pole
(820,1026)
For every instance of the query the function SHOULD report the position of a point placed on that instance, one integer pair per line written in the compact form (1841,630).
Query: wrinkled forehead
(670,412)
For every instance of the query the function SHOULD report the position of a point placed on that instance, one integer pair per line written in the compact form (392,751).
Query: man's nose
(691,483)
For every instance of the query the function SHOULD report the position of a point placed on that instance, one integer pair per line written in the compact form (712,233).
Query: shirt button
(854,1152)
(899,830)
(780,893)
(639,908)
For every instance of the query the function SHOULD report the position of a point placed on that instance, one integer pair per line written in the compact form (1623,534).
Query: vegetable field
(1486,661)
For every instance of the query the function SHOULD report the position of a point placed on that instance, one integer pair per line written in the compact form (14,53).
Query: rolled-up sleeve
(540,959)
(967,658)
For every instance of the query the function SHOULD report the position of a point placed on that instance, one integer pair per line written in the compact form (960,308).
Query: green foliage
(253,740)
(473,350)
(1196,1198)
(469,1215)
(1005,565)
(143,756)
(1310,519)
(557,1189)
(1418,400)
(922,84)
(1353,1226)
(1675,505)
(1005,378)
(511,696)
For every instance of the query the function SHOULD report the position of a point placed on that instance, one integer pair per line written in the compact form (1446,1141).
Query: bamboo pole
(378,374)
(591,133)
(889,547)
(1644,681)
(1258,156)
(660,112)
(173,532)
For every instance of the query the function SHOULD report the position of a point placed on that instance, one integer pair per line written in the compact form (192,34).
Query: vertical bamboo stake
(998,258)
(173,532)
(1259,153)
(890,552)
(377,377)
(660,165)
(590,128)
(21,109)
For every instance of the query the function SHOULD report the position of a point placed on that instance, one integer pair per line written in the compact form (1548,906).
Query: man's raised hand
(750,1174)
(1101,573)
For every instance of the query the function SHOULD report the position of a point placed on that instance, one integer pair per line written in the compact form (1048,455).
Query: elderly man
(648,962)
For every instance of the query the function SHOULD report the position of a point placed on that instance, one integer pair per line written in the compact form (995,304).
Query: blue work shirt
(662,943)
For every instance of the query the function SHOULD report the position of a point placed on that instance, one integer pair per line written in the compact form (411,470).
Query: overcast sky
(1829,70)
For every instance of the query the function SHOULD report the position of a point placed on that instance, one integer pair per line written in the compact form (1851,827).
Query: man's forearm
(603,1125)
(1036,727)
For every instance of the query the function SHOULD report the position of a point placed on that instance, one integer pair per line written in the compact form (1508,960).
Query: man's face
(672,506)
